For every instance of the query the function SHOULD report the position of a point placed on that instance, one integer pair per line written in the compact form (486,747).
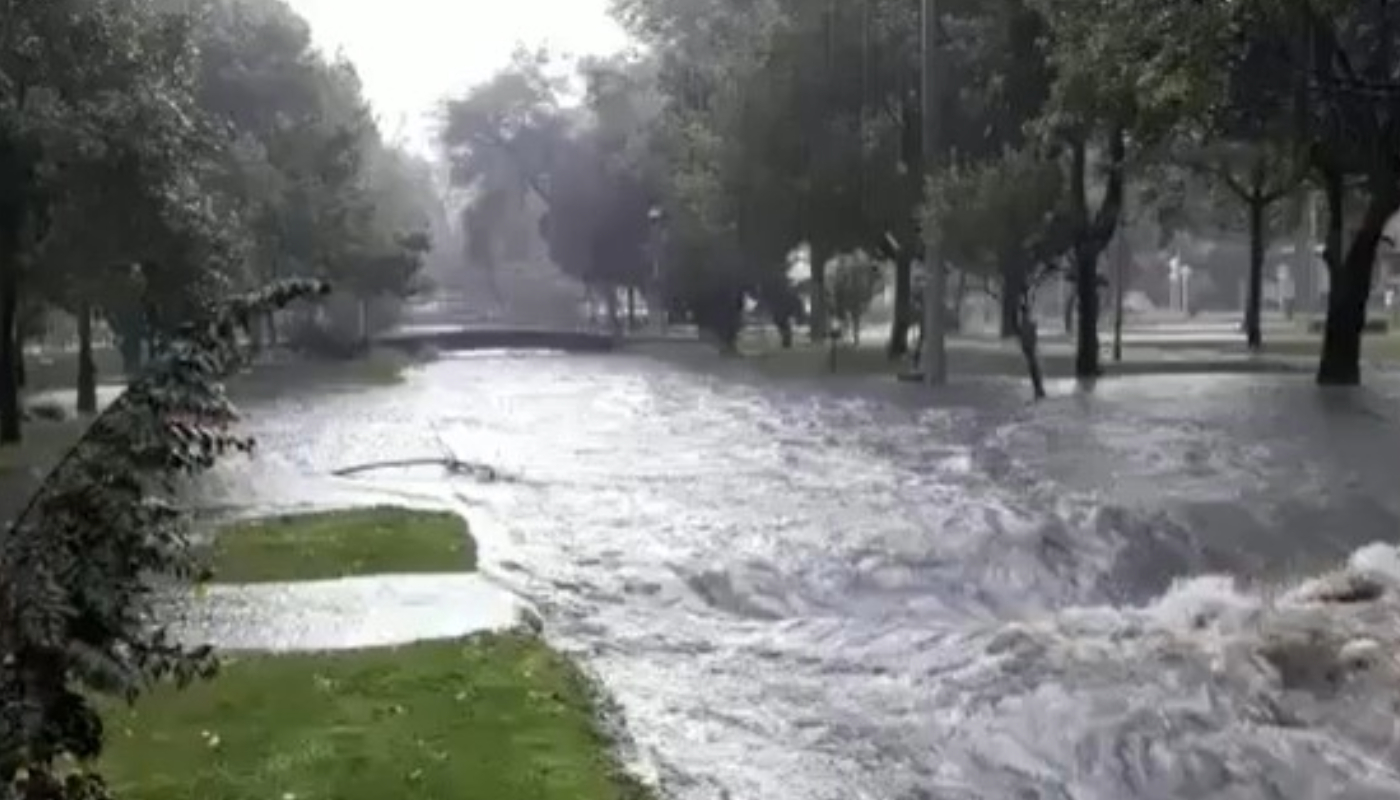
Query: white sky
(412,53)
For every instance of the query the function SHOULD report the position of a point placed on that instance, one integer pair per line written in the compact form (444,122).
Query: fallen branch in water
(452,465)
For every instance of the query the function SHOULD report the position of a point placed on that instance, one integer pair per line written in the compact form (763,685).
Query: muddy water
(843,592)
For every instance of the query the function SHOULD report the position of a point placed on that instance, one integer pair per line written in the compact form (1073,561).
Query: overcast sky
(411,53)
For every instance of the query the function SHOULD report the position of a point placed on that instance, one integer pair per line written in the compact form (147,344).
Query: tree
(501,139)
(811,123)
(511,136)
(303,169)
(855,282)
(771,140)
(79,84)
(1007,218)
(1346,71)
(1247,140)
(1124,82)
(84,564)
(1332,66)
(1258,175)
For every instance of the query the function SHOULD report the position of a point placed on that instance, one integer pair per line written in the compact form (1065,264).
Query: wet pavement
(841,591)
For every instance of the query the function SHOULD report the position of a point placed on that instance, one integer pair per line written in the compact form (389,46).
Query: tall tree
(82,84)
(1349,60)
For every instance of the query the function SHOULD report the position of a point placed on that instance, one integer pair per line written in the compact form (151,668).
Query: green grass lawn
(494,717)
(59,370)
(378,367)
(1384,347)
(498,717)
(806,360)
(335,544)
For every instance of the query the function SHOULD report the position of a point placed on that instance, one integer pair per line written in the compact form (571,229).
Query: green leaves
(81,569)
(1015,205)
(855,281)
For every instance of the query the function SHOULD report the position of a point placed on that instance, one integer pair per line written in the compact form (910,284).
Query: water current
(1163,588)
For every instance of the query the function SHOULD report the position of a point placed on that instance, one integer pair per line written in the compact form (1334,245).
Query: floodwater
(345,614)
(841,592)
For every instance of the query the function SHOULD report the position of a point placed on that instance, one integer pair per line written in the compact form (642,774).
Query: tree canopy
(206,141)
(765,126)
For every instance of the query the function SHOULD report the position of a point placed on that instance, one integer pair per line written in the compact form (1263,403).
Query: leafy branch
(83,565)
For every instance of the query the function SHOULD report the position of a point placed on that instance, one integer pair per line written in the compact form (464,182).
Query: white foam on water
(1211,691)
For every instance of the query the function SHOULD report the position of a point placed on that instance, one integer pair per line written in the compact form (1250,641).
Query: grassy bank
(287,373)
(981,357)
(336,544)
(59,369)
(492,717)
(1383,348)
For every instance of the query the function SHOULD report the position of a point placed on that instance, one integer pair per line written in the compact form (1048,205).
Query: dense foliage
(86,562)
(765,128)
(207,141)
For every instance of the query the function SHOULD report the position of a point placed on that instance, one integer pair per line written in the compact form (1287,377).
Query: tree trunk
(1335,190)
(1254,299)
(631,308)
(256,334)
(1019,277)
(87,368)
(1351,292)
(955,320)
(903,307)
(1123,259)
(1086,288)
(1093,236)
(129,347)
(9,307)
(614,313)
(364,322)
(1029,338)
(21,368)
(1304,273)
(820,324)
(1013,288)
(722,315)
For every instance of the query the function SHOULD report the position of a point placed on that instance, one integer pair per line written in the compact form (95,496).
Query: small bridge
(484,337)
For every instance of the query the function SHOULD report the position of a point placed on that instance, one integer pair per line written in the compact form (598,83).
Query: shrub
(81,566)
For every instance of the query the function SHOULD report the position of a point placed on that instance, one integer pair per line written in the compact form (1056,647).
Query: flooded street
(839,592)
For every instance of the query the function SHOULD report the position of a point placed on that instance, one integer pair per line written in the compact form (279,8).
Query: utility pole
(1123,255)
(1305,252)
(934,358)
(656,299)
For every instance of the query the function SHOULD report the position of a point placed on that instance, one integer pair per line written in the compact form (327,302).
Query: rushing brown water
(841,592)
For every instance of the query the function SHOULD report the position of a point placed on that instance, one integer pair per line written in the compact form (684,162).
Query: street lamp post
(934,356)
(656,312)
